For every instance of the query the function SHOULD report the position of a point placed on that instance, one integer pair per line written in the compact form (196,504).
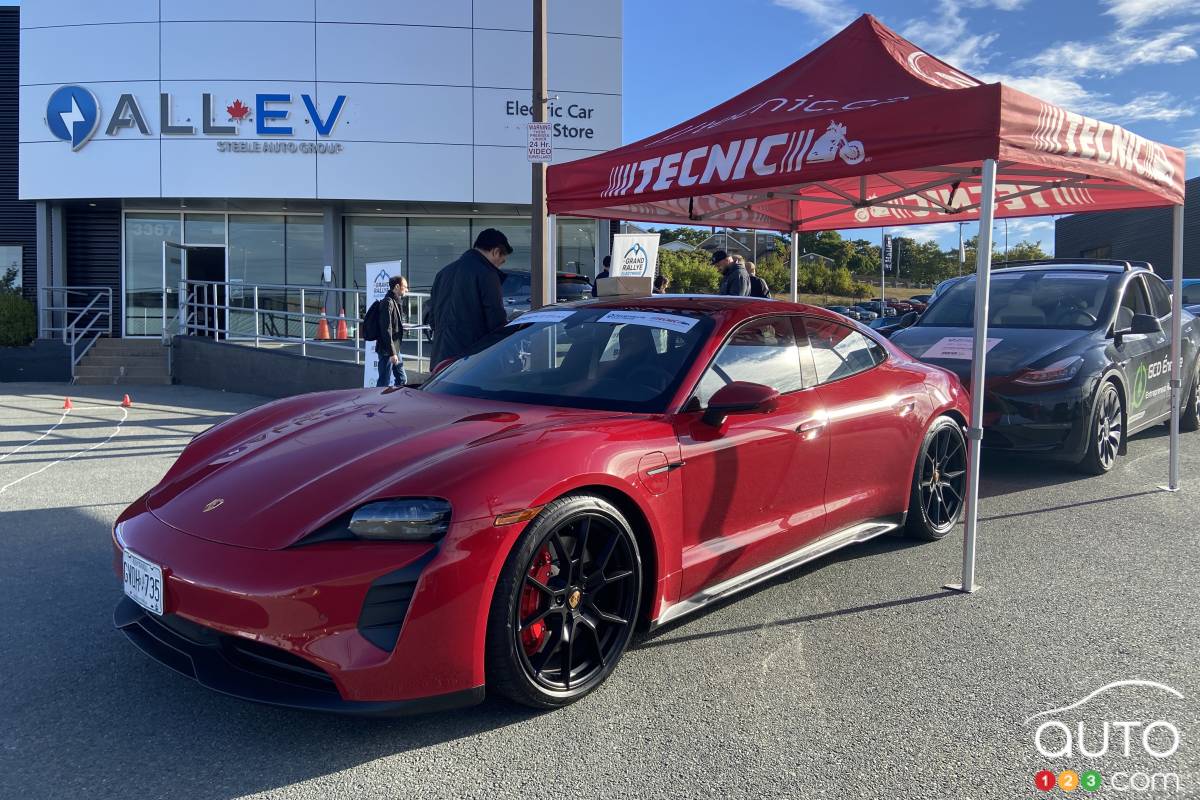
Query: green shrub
(690,272)
(18,322)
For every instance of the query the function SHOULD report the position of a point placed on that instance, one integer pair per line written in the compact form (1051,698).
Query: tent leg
(983,266)
(1176,345)
(795,267)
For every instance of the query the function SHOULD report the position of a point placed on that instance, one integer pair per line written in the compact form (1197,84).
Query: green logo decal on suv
(1139,387)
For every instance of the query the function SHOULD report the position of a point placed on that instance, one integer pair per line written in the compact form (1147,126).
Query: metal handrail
(209,310)
(72,333)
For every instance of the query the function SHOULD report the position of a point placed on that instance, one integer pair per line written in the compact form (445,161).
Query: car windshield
(630,359)
(1043,299)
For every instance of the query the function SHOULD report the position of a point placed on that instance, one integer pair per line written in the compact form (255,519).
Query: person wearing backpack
(384,323)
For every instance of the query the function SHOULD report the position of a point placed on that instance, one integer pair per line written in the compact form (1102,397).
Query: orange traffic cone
(323,326)
(342,332)
(126,403)
(67,403)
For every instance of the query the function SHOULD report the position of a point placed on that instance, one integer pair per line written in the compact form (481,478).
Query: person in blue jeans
(391,327)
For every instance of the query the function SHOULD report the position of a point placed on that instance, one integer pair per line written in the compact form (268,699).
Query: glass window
(1132,302)
(762,351)
(204,228)
(839,351)
(1038,299)
(613,366)
(304,248)
(432,244)
(371,239)
(10,266)
(256,256)
(1191,293)
(1160,296)
(144,237)
(520,236)
(576,246)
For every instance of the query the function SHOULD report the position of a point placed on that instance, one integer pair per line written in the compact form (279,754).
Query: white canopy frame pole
(795,257)
(983,268)
(1176,343)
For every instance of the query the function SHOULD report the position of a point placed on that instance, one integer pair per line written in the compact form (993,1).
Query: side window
(762,351)
(1191,294)
(1133,302)
(839,351)
(1160,296)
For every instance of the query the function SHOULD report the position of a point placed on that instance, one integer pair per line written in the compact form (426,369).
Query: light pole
(962,254)
(539,250)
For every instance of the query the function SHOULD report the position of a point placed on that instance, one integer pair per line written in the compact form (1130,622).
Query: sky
(1134,62)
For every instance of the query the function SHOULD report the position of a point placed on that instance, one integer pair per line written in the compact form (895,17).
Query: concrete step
(128,346)
(126,381)
(125,359)
(116,372)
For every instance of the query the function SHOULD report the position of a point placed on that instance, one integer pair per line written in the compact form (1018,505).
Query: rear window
(1191,294)
(1043,299)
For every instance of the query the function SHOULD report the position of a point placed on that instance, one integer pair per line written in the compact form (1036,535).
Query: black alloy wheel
(1108,431)
(939,485)
(566,604)
(1189,413)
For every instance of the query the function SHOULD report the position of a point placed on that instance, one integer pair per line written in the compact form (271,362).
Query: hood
(1017,348)
(279,480)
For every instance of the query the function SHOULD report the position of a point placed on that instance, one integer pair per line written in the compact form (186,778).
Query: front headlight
(409,519)
(1058,372)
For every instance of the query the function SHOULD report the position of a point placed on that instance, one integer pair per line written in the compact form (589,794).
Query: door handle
(906,406)
(812,427)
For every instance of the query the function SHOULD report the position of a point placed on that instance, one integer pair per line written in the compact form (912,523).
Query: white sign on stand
(541,142)
(635,255)
(378,274)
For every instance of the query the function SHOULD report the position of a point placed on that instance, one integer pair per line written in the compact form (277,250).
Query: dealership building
(262,140)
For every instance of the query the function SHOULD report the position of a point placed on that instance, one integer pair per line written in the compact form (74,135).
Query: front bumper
(298,627)
(1053,424)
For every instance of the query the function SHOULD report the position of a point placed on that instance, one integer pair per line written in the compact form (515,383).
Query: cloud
(1192,147)
(945,36)
(830,16)
(1071,95)
(927,233)
(1135,13)
(1117,54)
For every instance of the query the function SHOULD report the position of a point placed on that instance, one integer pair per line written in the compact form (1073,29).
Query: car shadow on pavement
(87,714)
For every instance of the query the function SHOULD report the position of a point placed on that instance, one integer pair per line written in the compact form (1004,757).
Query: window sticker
(540,316)
(649,319)
(960,347)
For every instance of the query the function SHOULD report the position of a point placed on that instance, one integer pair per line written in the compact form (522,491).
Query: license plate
(144,583)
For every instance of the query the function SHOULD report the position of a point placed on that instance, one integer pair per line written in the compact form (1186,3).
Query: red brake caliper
(533,637)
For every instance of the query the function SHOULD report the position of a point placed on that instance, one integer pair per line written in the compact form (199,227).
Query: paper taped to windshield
(671,322)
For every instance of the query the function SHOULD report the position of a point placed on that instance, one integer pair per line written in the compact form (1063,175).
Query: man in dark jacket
(734,279)
(758,287)
(603,274)
(391,333)
(466,303)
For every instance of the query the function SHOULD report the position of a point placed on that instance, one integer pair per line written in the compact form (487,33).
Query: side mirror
(1145,323)
(908,320)
(739,397)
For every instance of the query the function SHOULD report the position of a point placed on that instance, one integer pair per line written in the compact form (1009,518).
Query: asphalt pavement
(856,676)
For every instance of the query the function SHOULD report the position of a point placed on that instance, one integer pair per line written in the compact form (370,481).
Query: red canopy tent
(868,130)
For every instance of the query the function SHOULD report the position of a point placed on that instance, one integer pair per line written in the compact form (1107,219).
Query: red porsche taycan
(591,469)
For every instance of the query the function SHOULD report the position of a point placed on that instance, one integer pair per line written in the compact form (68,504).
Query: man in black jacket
(603,274)
(466,303)
(391,333)
(758,287)
(734,279)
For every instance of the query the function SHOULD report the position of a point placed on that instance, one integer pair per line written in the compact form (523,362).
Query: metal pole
(1176,342)
(552,258)
(303,327)
(795,255)
(183,304)
(882,278)
(541,280)
(962,254)
(257,327)
(983,266)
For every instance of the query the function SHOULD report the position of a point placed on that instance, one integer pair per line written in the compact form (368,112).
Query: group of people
(466,303)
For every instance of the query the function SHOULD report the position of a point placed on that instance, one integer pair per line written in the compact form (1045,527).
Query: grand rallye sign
(74,115)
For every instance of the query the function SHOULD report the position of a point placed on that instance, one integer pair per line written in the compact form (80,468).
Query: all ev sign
(73,114)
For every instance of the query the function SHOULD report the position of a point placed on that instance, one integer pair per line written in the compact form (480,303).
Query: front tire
(565,604)
(939,482)
(1107,432)
(1189,415)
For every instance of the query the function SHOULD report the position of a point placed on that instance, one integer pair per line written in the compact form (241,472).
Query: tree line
(852,269)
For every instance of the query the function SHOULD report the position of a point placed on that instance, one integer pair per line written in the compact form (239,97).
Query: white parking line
(124,416)
(35,441)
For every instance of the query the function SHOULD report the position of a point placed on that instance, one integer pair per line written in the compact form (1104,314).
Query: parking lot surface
(855,676)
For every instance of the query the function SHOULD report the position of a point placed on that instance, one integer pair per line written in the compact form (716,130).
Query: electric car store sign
(73,114)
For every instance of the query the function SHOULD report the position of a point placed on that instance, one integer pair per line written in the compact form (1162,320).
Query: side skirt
(821,547)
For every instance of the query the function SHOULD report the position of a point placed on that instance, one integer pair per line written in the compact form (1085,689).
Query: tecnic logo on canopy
(73,115)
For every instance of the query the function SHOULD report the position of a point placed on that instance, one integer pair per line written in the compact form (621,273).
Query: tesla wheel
(939,481)
(565,604)
(1189,414)
(1107,434)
